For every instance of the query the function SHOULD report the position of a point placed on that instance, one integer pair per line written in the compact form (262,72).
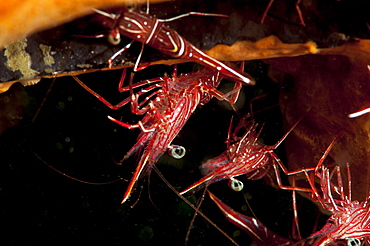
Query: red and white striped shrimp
(349,223)
(148,30)
(246,156)
(165,116)
(350,220)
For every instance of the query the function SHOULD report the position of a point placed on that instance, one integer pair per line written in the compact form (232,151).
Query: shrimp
(148,30)
(165,116)
(246,156)
(350,220)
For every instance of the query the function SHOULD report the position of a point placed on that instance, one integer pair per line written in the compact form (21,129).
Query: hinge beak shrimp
(164,117)
(246,156)
(350,220)
(151,31)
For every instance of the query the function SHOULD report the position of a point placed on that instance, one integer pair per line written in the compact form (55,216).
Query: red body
(243,157)
(258,232)
(350,220)
(149,30)
(167,113)
(349,225)
(247,156)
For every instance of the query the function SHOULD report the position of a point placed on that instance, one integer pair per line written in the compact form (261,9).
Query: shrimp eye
(236,185)
(114,38)
(353,242)
(177,151)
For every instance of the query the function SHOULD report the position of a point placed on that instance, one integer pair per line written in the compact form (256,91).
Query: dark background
(58,123)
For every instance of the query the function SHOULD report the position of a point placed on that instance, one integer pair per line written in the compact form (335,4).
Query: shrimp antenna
(194,216)
(106,14)
(192,206)
(308,238)
(76,179)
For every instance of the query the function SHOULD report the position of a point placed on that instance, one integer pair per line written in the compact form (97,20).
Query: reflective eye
(114,39)
(236,185)
(353,242)
(177,151)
